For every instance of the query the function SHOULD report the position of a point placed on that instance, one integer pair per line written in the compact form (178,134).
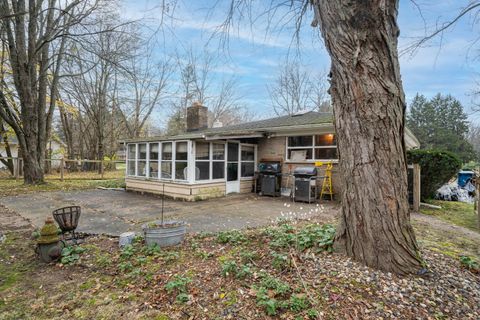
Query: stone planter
(169,234)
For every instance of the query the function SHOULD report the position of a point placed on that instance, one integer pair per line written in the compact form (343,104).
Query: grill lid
(269,167)
(305,171)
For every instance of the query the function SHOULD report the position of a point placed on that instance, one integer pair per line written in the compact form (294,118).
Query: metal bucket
(170,234)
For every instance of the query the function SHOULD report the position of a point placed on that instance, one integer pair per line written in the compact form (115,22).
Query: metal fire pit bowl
(67,219)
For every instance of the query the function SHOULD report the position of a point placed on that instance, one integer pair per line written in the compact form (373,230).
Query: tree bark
(369,109)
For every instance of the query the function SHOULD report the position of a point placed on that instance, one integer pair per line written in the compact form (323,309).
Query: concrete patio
(113,212)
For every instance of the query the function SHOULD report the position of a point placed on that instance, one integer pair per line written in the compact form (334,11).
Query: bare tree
(36,34)
(292,90)
(94,65)
(296,90)
(196,85)
(144,85)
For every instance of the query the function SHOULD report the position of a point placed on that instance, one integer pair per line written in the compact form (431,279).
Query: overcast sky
(254,53)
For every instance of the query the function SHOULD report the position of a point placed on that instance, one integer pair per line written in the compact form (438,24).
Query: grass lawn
(10,187)
(458,213)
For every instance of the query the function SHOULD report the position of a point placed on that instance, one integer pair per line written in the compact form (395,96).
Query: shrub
(437,168)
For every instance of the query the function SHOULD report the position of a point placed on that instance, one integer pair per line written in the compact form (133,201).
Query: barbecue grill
(270,176)
(305,189)
(67,219)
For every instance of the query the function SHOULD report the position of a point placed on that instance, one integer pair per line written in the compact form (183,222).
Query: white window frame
(158,160)
(210,161)
(172,176)
(313,147)
(137,160)
(134,160)
(254,161)
(174,159)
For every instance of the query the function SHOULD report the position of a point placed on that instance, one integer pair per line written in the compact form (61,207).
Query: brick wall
(274,149)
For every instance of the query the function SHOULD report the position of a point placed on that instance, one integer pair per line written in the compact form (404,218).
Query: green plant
(71,254)
(437,168)
(182,298)
(170,256)
(272,283)
(229,268)
(312,314)
(318,236)
(269,304)
(125,266)
(127,252)
(298,303)
(470,263)
(280,261)
(179,284)
(282,236)
(151,250)
(232,237)
(249,256)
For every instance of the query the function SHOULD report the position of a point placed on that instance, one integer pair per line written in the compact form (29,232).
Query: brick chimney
(197,117)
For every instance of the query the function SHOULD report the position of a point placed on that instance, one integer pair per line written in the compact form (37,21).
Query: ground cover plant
(284,271)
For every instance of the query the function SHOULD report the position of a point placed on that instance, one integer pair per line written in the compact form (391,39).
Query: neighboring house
(212,162)
(54,147)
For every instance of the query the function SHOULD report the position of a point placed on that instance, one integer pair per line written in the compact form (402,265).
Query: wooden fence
(69,169)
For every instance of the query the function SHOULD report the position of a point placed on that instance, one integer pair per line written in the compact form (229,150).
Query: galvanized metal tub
(169,234)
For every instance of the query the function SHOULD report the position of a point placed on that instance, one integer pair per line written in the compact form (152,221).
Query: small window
(247,167)
(142,160)
(132,154)
(153,161)
(181,152)
(166,170)
(300,141)
(248,153)
(166,161)
(202,151)
(202,163)
(218,170)
(202,170)
(325,140)
(325,153)
(181,164)
(218,151)
(167,151)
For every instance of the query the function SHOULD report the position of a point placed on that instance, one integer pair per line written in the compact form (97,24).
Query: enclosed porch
(192,169)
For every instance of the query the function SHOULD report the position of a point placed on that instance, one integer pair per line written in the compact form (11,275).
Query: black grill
(270,177)
(305,184)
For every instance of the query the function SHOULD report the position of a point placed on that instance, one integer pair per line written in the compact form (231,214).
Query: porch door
(233,170)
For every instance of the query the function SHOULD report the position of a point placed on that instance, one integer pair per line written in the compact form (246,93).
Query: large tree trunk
(369,108)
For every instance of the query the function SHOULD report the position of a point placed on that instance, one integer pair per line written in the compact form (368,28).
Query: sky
(255,52)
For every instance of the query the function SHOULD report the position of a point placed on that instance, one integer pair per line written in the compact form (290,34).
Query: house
(212,162)
(55,148)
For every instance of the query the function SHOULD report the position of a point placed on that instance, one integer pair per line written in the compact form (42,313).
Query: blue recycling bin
(463,178)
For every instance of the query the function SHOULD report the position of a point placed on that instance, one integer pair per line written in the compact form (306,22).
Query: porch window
(142,160)
(181,157)
(209,161)
(166,162)
(218,161)
(153,160)
(316,147)
(132,155)
(202,161)
(247,161)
